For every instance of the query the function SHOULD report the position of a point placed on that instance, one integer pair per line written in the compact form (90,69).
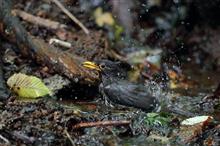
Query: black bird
(119,90)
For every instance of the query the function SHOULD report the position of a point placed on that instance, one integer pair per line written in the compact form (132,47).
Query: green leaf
(156,119)
(27,86)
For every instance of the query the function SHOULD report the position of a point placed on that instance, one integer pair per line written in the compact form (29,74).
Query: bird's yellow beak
(91,65)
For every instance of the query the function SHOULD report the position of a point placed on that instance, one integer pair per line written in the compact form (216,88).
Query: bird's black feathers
(120,91)
(130,94)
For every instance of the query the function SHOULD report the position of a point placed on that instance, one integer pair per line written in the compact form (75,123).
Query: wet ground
(77,114)
(49,121)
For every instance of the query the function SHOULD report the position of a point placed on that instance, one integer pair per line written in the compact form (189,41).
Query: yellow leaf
(103,18)
(98,12)
(27,86)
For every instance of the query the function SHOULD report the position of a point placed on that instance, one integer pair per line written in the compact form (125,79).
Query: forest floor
(181,67)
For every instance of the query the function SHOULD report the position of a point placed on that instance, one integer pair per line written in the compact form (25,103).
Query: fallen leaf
(196,120)
(27,86)
(103,18)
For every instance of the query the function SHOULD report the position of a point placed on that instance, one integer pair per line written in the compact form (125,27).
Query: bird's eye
(102,66)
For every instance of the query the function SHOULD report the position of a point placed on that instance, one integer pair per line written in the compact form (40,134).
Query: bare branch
(100,123)
(38,20)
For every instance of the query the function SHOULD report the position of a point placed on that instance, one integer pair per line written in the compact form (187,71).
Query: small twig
(4,139)
(69,137)
(71,16)
(60,42)
(38,20)
(100,123)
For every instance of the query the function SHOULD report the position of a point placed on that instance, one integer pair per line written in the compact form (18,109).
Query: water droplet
(76,80)
(188,59)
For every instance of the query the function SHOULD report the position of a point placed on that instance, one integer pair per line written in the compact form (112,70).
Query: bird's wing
(130,94)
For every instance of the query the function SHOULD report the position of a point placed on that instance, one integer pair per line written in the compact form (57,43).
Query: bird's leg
(106,99)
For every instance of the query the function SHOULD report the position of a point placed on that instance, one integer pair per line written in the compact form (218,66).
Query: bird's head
(109,68)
